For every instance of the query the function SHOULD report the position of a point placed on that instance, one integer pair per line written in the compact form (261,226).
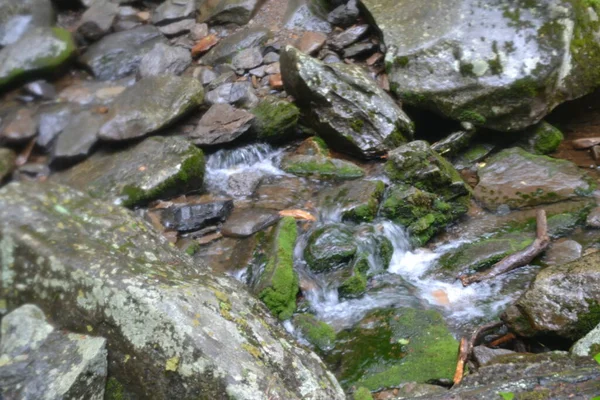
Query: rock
(589,345)
(363,49)
(345,14)
(247,222)
(78,137)
(140,109)
(501,82)
(41,90)
(97,20)
(271,58)
(205,75)
(178,28)
(158,167)
(36,172)
(199,31)
(453,143)
(221,124)
(18,126)
(173,10)
(204,45)
(230,46)
(238,93)
(593,219)
(119,54)
(247,59)
(259,72)
(358,200)
(17,17)
(347,108)
(193,217)
(244,183)
(37,52)
(330,247)
(348,37)
(224,77)
(281,192)
(317,333)
(7,162)
(473,154)
(228,11)
(277,285)
(311,42)
(563,301)
(390,347)
(177,321)
(354,279)
(542,138)
(306,15)
(484,355)
(275,120)
(320,167)
(520,179)
(276,82)
(164,60)
(86,93)
(562,252)
(273,69)
(39,361)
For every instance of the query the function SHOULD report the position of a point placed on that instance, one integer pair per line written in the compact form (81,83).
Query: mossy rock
(362,393)
(313,146)
(542,139)
(330,247)
(321,167)
(318,333)
(278,284)
(390,347)
(355,285)
(7,162)
(359,200)
(275,120)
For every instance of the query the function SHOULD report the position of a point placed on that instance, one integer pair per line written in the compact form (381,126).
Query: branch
(466,348)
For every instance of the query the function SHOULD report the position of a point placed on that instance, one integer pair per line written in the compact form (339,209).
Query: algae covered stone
(542,138)
(358,200)
(174,326)
(502,65)
(275,120)
(317,333)
(321,167)
(7,162)
(40,51)
(157,167)
(330,247)
(277,286)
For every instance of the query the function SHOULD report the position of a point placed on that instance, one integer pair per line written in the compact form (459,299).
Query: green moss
(362,393)
(317,333)
(329,247)
(353,287)
(588,320)
(321,144)
(279,280)
(472,116)
(114,390)
(323,168)
(401,61)
(366,212)
(192,249)
(543,394)
(275,120)
(357,125)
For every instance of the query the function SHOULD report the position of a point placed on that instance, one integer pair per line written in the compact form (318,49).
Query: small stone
(238,93)
(374,59)
(244,184)
(276,82)
(224,77)
(562,252)
(247,59)
(199,32)
(274,68)
(41,90)
(164,60)
(144,16)
(97,20)
(345,14)
(177,28)
(204,45)
(77,138)
(247,222)
(221,124)
(18,126)
(191,217)
(36,172)
(271,58)
(348,37)
(205,75)
(360,49)
(311,42)
(593,218)
(173,10)
(484,355)
(258,72)
(331,58)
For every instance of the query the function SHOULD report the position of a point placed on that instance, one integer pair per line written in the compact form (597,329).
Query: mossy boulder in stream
(157,167)
(501,65)
(275,120)
(277,286)
(542,139)
(359,200)
(389,347)
(318,333)
(321,167)
(173,326)
(355,285)
(330,247)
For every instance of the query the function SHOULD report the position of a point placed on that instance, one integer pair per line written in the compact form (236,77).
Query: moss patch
(322,167)
(317,333)
(362,393)
(275,120)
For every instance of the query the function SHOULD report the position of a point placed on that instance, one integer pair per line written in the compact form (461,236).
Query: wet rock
(17,17)
(345,14)
(41,90)
(563,301)
(562,252)
(97,20)
(348,37)
(32,172)
(157,167)
(247,59)
(347,108)
(311,42)
(520,179)
(281,192)
(164,60)
(140,109)
(244,184)
(453,143)
(87,93)
(390,347)
(593,219)
(228,11)
(39,361)
(360,50)
(119,54)
(358,200)
(178,28)
(273,69)
(330,247)
(317,333)
(306,15)
(230,46)
(205,75)
(473,154)
(484,355)
(239,93)
(177,321)
(275,120)
(173,10)
(199,31)
(320,167)
(542,138)
(506,82)
(37,52)
(247,222)
(259,72)
(277,285)
(192,217)
(7,162)
(18,126)
(78,137)
(221,124)
(589,345)
(271,58)
(552,375)
(222,78)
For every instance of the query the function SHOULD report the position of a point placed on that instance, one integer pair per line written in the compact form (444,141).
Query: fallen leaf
(298,214)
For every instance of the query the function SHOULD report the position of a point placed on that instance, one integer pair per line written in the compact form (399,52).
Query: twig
(466,348)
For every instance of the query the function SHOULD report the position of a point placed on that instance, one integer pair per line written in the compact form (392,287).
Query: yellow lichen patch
(221,296)
(172,364)
(89,328)
(256,353)
(126,358)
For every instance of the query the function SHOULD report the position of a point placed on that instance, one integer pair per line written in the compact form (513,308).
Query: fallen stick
(518,259)
(466,348)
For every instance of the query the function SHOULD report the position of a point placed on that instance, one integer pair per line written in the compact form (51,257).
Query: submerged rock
(505,71)
(348,109)
(563,301)
(520,179)
(41,362)
(317,333)
(193,217)
(330,247)
(173,326)
(157,167)
(321,167)
(140,109)
(275,120)
(358,200)
(17,17)
(40,51)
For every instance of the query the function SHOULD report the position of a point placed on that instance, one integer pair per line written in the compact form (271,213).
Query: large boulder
(157,167)
(173,326)
(349,110)
(520,179)
(141,108)
(563,302)
(39,51)
(19,16)
(499,65)
(38,361)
